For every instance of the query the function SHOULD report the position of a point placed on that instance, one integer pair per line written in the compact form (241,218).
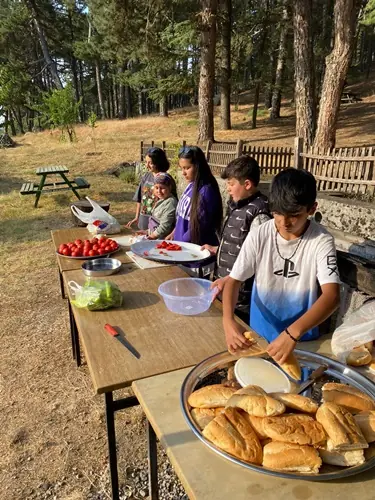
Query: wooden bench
(28,188)
(349,98)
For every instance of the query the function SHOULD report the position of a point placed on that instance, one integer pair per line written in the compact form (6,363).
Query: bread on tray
(359,356)
(341,428)
(232,432)
(296,402)
(348,458)
(295,429)
(255,401)
(349,397)
(211,396)
(203,416)
(366,422)
(291,458)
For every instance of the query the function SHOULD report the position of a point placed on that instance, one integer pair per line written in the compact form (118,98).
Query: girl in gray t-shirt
(156,161)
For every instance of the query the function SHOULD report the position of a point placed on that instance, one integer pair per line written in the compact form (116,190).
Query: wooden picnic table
(165,341)
(43,186)
(206,475)
(60,236)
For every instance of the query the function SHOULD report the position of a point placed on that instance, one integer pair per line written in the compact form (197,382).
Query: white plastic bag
(356,330)
(98,220)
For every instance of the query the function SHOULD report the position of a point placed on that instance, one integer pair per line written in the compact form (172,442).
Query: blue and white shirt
(285,285)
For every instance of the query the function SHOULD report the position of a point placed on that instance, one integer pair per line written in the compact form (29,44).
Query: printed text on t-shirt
(183,208)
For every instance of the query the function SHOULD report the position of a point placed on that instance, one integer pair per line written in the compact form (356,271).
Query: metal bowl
(309,362)
(101,267)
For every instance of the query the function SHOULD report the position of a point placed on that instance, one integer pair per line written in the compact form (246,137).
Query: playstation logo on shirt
(288,271)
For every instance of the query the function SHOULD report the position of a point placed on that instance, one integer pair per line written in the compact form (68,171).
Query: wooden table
(205,475)
(64,184)
(165,341)
(60,236)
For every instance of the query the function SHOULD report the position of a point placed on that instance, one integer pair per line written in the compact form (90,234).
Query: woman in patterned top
(156,161)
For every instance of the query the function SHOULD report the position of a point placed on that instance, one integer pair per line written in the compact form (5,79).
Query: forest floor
(53,437)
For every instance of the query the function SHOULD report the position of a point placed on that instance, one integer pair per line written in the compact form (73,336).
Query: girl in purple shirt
(199,210)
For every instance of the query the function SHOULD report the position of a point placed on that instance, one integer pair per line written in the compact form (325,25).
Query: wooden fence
(339,170)
(170,150)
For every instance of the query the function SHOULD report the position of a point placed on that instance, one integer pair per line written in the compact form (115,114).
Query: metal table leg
(74,336)
(62,285)
(152,463)
(71,330)
(111,406)
(111,435)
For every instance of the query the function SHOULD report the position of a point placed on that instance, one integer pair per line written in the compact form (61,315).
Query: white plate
(190,252)
(258,371)
(127,239)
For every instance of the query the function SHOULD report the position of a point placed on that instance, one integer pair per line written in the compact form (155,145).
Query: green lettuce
(97,295)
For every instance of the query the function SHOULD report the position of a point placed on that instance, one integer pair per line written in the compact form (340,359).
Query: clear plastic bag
(96,295)
(98,220)
(357,329)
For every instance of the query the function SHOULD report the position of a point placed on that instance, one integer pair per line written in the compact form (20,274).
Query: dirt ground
(53,437)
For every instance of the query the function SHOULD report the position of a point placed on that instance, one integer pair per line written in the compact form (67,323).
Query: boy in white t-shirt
(292,258)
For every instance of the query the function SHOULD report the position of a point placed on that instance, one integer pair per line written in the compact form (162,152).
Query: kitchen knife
(123,341)
(312,378)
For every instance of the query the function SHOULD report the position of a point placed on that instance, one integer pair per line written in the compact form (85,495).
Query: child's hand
(131,222)
(151,237)
(281,347)
(219,285)
(211,249)
(234,335)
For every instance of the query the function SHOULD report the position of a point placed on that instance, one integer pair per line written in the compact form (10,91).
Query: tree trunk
(121,100)
(369,55)
(128,99)
(256,102)
(11,123)
(43,42)
(281,58)
(99,89)
(17,115)
(207,70)
(225,62)
(304,72)
(337,65)
(6,121)
(140,103)
(163,109)
(83,97)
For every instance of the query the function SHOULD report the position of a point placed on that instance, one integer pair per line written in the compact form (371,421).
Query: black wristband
(290,335)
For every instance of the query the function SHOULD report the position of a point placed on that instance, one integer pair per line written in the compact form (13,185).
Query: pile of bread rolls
(362,355)
(287,432)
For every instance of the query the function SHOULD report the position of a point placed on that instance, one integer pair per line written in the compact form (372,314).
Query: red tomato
(66,251)
(108,248)
(96,247)
(78,242)
(94,240)
(61,247)
(103,244)
(102,251)
(75,254)
(109,240)
(92,253)
(73,248)
(102,239)
(70,244)
(113,246)
(86,253)
(86,241)
(87,246)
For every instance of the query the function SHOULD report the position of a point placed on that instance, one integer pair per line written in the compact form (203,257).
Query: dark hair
(243,168)
(159,159)
(163,178)
(291,190)
(203,177)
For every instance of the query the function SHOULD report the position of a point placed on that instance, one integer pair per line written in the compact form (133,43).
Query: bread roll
(349,397)
(296,402)
(254,401)
(257,346)
(257,424)
(359,356)
(343,458)
(366,422)
(211,396)
(203,416)
(341,428)
(291,458)
(292,367)
(231,432)
(369,345)
(295,429)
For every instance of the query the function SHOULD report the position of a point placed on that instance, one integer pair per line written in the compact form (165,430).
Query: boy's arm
(326,304)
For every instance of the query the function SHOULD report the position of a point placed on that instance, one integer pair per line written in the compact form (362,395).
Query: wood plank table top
(60,236)
(165,341)
(205,475)
(52,170)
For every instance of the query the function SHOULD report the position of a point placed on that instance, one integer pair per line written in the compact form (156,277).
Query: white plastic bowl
(188,296)
(258,371)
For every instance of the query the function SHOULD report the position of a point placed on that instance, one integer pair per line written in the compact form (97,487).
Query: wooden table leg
(62,285)
(40,188)
(71,330)
(152,463)
(70,185)
(75,337)
(111,436)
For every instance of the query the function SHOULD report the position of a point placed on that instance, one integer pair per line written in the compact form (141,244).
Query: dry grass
(52,426)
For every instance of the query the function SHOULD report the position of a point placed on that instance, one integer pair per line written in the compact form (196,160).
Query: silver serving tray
(309,362)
